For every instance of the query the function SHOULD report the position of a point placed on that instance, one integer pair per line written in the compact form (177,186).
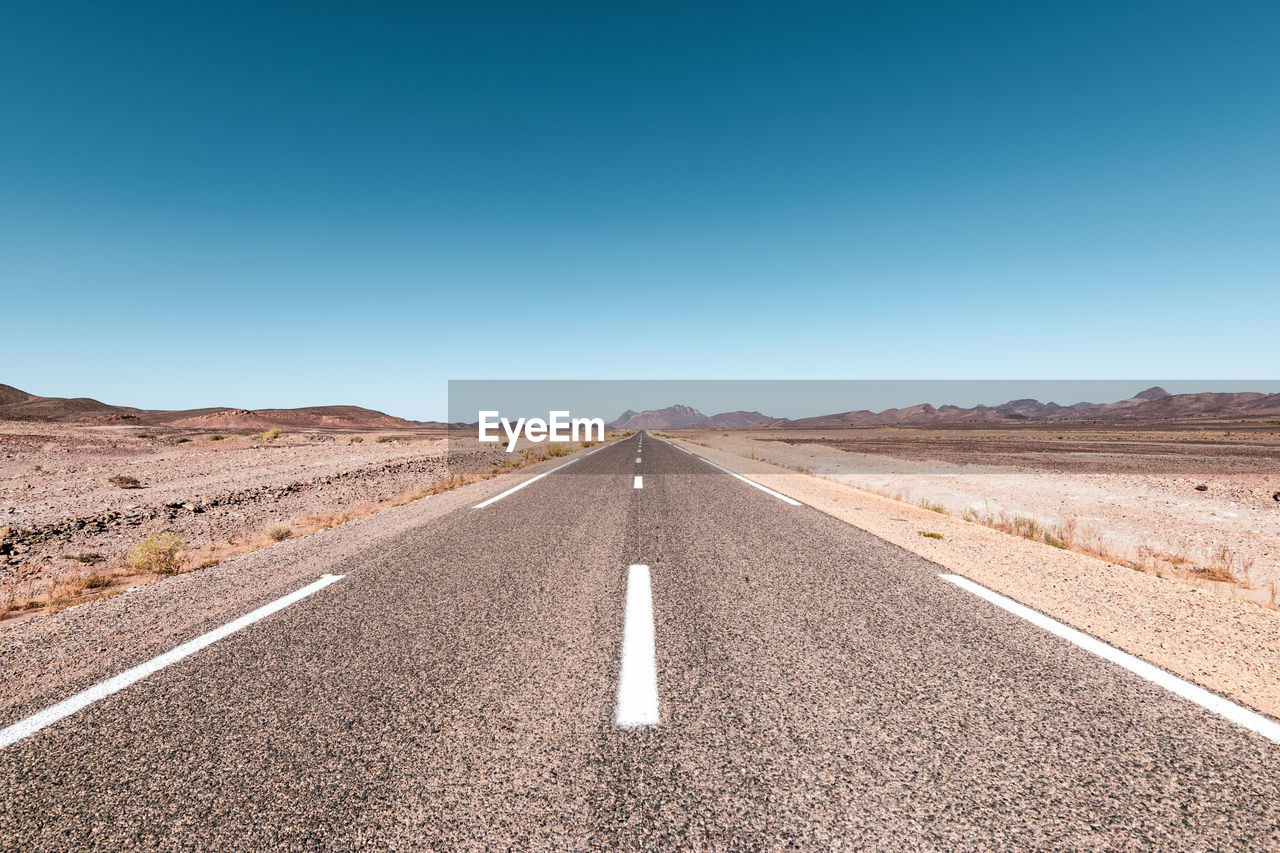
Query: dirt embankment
(75,499)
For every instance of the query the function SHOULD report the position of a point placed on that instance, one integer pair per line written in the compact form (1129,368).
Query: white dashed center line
(638,668)
(639,482)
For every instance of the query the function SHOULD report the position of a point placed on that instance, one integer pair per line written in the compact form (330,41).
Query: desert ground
(1196,501)
(75,500)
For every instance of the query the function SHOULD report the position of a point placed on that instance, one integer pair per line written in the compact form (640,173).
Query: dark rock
(1202,488)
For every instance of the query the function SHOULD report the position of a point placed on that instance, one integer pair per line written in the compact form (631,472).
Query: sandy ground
(56,498)
(1229,645)
(1131,495)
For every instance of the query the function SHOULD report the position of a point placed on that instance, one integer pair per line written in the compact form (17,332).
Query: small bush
(927,535)
(85,558)
(217,438)
(121,481)
(277,532)
(95,582)
(160,554)
(182,441)
(357,439)
(383,439)
(269,435)
(558,450)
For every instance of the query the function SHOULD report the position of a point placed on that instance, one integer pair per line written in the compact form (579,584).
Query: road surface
(786,682)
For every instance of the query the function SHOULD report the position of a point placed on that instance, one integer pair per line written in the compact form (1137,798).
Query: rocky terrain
(74,499)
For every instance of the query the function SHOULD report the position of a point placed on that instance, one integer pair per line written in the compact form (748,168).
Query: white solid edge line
(639,484)
(67,707)
(766,489)
(520,486)
(777,495)
(1237,714)
(638,668)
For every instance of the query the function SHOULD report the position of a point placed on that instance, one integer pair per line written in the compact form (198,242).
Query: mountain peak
(671,416)
(1155,392)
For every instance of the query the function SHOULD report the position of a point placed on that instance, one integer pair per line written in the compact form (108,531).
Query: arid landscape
(1194,500)
(95,499)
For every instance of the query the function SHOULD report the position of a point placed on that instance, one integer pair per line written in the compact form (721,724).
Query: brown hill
(19,405)
(729,420)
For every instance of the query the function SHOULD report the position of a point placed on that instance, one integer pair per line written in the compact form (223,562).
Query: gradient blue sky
(289,204)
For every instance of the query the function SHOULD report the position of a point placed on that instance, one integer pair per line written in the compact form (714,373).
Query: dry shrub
(161,554)
(122,481)
(277,532)
(269,435)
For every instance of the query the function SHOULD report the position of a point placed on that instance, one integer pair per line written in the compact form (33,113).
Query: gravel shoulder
(1229,646)
(1201,507)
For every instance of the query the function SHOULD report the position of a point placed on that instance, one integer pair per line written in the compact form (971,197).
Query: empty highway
(637,650)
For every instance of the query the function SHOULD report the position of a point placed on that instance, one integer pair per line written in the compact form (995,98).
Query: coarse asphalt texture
(819,689)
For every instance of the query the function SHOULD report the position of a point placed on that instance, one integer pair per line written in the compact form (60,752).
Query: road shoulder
(1227,646)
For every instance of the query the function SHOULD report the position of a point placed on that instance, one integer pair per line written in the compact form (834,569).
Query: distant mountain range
(1151,404)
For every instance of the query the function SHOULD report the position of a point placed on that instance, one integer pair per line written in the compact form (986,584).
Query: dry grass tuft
(277,532)
(161,554)
(269,435)
(121,481)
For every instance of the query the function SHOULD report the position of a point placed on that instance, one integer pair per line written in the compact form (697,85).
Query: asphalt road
(817,688)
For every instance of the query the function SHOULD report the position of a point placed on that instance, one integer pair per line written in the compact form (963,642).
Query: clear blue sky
(264,204)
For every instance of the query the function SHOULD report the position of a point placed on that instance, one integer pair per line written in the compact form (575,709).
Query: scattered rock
(1202,488)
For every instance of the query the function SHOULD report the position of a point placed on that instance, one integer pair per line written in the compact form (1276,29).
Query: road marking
(637,460)
(517,488)
(766,489)
(67,707)
(1237,714)
(639,482)
(638,669)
